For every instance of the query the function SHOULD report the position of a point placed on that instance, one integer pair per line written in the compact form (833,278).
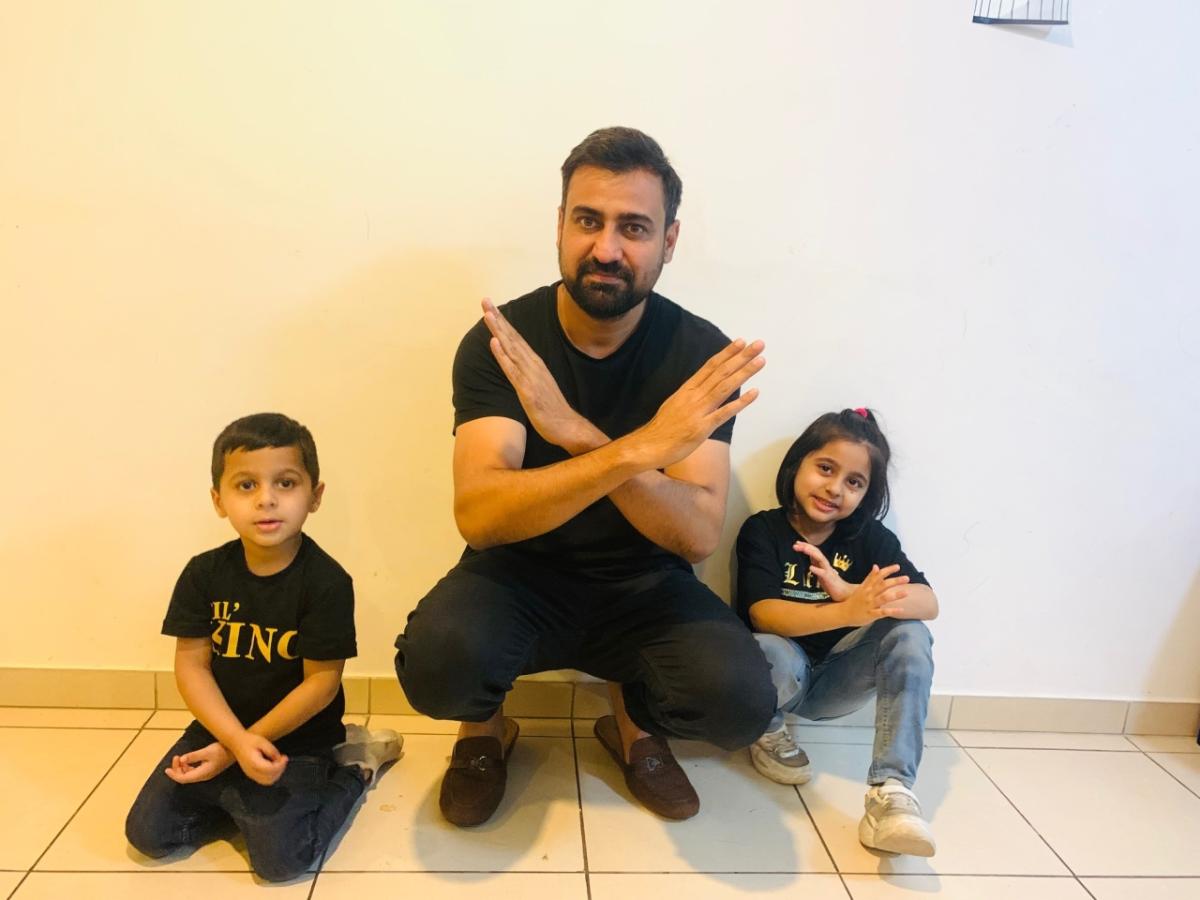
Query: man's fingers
(723,414)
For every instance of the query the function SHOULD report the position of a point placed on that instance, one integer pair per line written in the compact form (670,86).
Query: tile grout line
(82,803)
(587,872)
(836,868)
(1170,773)
(1025,818)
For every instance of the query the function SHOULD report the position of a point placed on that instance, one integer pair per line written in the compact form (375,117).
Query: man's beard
(604,301)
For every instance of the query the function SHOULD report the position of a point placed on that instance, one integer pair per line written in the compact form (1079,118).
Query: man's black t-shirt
(617,394)
(769,569)
(263,628)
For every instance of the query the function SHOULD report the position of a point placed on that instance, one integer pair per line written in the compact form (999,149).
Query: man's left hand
(549,413)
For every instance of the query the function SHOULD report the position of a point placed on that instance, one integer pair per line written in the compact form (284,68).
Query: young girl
(836,605)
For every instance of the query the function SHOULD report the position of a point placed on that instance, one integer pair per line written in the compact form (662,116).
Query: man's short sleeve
(188,615)
(480,386)
(758,566)
(327,624)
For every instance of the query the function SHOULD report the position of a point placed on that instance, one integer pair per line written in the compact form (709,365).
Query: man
(591,466)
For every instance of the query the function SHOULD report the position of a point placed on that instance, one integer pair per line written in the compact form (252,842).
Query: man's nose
(607,247)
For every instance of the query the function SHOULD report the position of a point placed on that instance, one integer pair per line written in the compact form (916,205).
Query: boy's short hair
(260,431)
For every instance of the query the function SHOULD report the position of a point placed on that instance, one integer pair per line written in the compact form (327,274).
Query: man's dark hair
(619,149)
(853,425)
(263,430)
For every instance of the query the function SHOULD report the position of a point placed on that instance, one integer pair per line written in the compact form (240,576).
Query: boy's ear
(318,493)
(216,499)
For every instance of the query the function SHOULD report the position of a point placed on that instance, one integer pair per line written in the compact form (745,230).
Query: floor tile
(450,886)
(95,839)
(424,725)
(8,881)
(857,734)
(155,885)
(46,774)
(1043,740)
(1143,888)
(695,886)
(1105,813)
(60,717)
(179,719)
(1165,743)
(746,823)
(170,720)
(977,830)
(964,887)
(398,827)
(1184,766)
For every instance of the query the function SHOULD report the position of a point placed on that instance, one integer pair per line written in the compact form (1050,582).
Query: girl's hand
(877,597)
(829,578)
(259,759)
(200,765)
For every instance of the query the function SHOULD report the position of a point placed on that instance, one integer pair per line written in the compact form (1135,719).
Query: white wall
(213,209)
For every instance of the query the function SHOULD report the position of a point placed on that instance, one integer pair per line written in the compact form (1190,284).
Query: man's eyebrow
(581,210)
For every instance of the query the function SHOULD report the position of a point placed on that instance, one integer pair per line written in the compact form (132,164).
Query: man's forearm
(503,506)
(676,515)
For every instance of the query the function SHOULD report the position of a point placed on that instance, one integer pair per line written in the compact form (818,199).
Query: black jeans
(287,825)
(689,667)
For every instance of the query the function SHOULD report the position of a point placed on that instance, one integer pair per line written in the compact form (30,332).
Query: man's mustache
(592,266)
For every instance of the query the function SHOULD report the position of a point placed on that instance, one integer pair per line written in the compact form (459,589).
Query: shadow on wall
(1178,652)
(366,364)
(753,476)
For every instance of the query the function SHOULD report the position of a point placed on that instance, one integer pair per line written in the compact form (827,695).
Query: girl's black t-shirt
(617,394)
(262,629)
(769,569)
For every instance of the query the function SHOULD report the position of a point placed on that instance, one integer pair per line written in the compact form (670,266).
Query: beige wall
(213,209)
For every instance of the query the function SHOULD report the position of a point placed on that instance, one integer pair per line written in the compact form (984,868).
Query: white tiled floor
(1035,816)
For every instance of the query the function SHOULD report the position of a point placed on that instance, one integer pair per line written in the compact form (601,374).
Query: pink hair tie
(862,411)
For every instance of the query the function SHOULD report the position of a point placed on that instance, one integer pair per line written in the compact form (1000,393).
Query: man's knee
(736,697)
(144,837)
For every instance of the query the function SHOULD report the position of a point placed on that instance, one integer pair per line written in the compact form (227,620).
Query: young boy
(263,626)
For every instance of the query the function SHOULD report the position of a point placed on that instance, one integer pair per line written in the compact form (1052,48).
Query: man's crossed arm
(666,477)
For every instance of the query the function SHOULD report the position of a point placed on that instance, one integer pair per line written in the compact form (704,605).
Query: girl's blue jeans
(891,660)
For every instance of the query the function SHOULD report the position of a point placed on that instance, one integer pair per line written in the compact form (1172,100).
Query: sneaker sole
(780,774)
(909,846)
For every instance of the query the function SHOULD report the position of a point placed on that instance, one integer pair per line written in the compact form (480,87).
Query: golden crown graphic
(841,562)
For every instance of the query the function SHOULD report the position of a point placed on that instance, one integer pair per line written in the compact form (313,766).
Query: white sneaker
(893,821)
(779,758)
(369,750)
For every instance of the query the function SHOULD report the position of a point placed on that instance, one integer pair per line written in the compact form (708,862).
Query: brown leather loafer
(652,774)
(473,785)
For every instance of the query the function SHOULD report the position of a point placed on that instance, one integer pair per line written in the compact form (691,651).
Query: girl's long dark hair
(859,426)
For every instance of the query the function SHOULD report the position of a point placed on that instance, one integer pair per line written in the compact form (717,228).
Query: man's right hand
(690,415)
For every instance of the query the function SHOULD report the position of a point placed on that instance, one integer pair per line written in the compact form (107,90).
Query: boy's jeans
(286,825)
(891,659)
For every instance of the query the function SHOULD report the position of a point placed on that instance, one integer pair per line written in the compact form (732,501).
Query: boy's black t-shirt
(263,628)
(617,394)
(769,569)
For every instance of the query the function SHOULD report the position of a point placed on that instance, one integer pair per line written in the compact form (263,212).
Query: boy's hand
(830,579)
(259,759)
(200,765)
(877,597)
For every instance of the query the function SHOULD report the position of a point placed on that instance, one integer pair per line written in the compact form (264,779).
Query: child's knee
(778,650)
(909,641)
